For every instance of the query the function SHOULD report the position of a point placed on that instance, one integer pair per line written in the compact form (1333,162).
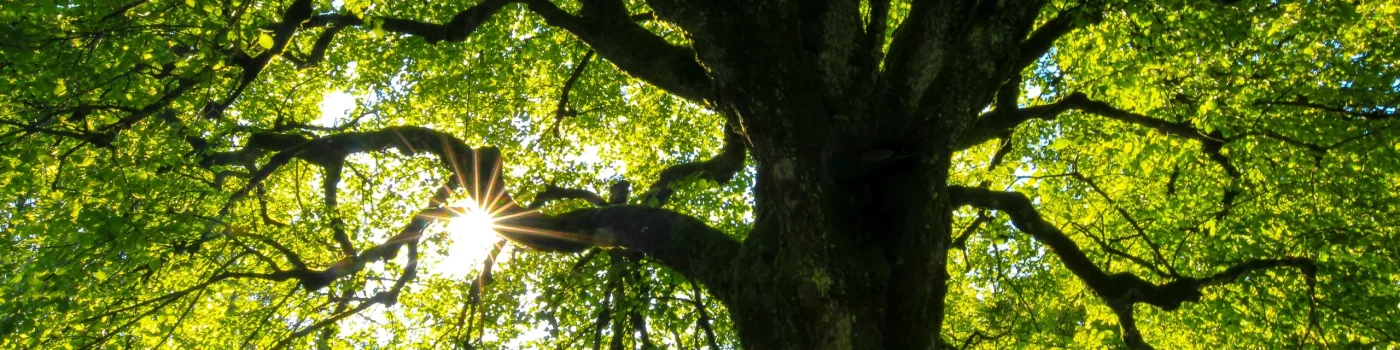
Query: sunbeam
(470,236)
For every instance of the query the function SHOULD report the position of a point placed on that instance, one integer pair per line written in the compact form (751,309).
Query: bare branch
(998,122)
(121,11)
(96,139)
(613,34)
(457,29)
(681,242)
(704,319)
(318,50)
(563,110)
(961,240)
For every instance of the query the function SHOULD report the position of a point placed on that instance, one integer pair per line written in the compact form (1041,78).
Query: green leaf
(265,41)
(1207,107)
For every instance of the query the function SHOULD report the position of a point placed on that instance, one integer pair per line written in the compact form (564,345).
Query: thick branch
(459,28)
(1307,266)
(681,242)
(914,53)
(102,140)
(318,50)
(960,45)
(1025,218)
(299,11)
(999,122)
(613,34)
(617,38)
(1043,38)
(330,152)
(463,161)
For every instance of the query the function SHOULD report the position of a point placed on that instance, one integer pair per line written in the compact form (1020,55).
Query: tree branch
(458,28)
(1119,290)
(681,242)
(720,169)
(388,298)
(553,193)
(1043,38)
(704,317)
(956,45)
(563,110)
(875,29)
(613,34)
(999,122)
(1365,113)
(617,38)
(297,12)
(318,50)
(1141,233)
(1307,266)
(913,56)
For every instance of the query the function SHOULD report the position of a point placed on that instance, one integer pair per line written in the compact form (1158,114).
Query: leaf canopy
(1222,133)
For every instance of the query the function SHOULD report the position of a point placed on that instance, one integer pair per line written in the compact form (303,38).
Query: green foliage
(1239,71)
(98,231)
(93,235)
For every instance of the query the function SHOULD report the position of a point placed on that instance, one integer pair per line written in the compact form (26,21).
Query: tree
(818,174)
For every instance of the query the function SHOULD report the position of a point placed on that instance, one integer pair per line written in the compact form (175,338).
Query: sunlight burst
(470,238)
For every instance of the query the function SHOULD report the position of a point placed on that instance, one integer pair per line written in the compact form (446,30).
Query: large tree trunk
(849,247)
(852,139)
